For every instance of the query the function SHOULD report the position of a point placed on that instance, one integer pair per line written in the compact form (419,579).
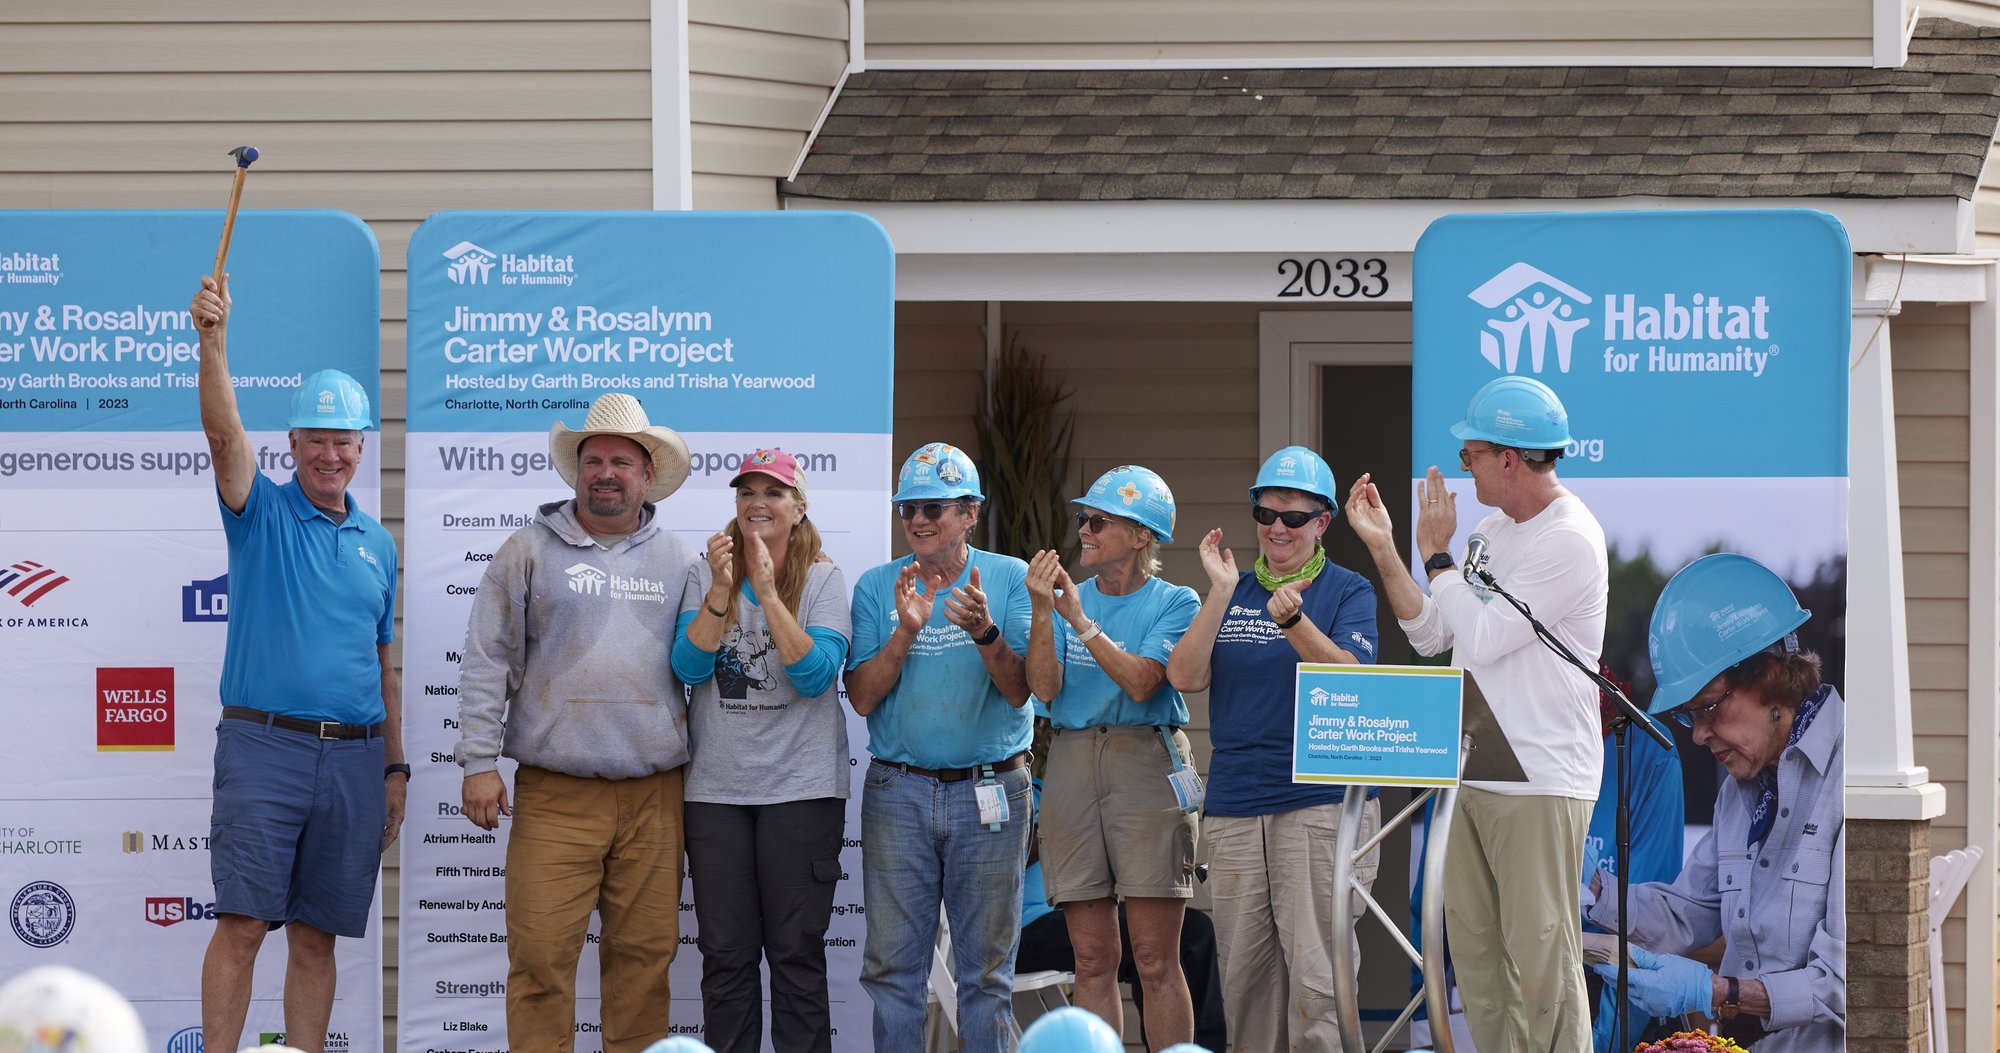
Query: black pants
(763,889)
(1045,945)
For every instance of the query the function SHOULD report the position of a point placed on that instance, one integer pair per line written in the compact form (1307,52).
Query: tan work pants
(581,844)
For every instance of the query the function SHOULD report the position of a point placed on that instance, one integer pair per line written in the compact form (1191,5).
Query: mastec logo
(135,709)
(205,601)
(172,910)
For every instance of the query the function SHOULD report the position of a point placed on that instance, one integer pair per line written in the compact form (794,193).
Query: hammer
(244,155)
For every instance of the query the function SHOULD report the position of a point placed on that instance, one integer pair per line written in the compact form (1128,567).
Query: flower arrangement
(1690,1042)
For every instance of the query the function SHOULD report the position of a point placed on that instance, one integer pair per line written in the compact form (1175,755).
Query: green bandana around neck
(1271,582)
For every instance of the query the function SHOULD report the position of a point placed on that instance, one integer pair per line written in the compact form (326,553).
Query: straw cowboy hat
(620,414)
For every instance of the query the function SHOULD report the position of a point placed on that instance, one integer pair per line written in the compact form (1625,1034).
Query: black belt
(324,729)
(1018,760)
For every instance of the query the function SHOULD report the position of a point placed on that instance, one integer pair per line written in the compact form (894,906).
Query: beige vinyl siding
(1930,352)
(759,72)
(1617,33)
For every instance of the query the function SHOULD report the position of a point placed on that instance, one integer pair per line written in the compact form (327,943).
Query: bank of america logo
(1536,309)
(585,579)
(470,264)
(28,581)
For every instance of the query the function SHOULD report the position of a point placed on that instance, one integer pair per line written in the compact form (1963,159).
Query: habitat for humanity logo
(586,580)
(473,265)
(470,264)
(1536,308)
(31,268)
(1653,332)
(28,581)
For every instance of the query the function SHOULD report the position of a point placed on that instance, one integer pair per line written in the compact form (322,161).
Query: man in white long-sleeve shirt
(1511,895)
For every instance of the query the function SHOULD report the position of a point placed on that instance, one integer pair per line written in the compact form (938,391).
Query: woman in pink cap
(763,634)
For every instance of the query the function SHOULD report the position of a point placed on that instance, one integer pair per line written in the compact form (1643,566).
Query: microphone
(1475,557)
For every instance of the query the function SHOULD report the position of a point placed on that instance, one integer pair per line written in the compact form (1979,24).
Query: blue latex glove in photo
(1665,984)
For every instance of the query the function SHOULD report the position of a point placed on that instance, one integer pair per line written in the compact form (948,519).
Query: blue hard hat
(1515,411)
(1137,494)
(330,399)
(1297,468)
(1716,612)
(936,471)
(1186,1047)
(1070,1030)
(679,1044)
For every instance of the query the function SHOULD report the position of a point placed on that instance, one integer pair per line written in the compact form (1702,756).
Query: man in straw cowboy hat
(566,670)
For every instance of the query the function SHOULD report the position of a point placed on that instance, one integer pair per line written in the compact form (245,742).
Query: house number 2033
(1342,279)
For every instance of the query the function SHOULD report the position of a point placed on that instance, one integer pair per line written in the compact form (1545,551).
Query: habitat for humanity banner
(1702,357)
(738,330)
(114,596)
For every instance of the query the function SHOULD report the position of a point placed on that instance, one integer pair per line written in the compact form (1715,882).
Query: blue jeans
(922,844)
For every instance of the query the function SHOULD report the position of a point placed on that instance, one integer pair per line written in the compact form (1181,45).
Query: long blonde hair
(802,550)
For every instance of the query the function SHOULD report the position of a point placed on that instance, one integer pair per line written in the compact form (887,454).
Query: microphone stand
(1621,725)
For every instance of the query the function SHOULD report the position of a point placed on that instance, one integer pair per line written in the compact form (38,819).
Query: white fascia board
(985,228)
(1368,62)
(1893,22)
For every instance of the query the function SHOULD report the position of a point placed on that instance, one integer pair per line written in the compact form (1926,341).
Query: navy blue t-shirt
(1251,691)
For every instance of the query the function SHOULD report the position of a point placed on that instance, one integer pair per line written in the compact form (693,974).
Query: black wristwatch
(1730,1004)
(1441,561)
(394,769)
(991,634)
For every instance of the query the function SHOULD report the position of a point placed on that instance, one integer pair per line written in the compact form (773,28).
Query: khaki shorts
(1109,822)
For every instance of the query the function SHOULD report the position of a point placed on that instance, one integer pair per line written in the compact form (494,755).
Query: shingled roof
(1450,133)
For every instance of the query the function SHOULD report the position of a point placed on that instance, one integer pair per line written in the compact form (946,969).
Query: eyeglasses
(1688,718)
(1465,455)
(930,509)
(1293,519)
(1092,524)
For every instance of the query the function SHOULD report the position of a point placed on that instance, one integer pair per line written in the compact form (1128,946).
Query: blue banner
(1717,327)
(94,326)
(1383,725)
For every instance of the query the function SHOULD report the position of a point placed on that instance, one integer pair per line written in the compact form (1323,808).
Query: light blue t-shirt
(944,712)
(308,603)
(1148,623)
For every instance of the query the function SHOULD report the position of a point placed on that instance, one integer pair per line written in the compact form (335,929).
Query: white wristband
(1084,636)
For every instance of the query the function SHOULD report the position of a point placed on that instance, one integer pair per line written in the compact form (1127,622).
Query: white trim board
(1874,225)
(673,131)
(1982,687)
(1196,62)
(1292,344)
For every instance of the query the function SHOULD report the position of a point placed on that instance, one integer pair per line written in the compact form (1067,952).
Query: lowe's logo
(206,601)
(1535,310)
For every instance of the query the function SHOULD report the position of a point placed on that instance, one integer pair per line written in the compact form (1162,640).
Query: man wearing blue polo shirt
(309,771)
(936,668)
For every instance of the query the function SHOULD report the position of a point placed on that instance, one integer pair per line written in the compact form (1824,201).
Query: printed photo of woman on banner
(1705,395)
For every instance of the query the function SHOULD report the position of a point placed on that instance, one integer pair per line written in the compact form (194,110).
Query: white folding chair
(1949,873)
(1048,986)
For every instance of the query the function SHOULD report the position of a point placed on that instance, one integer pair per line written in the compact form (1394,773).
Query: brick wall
(1888,956)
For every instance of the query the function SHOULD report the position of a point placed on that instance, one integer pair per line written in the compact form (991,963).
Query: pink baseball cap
(777,464)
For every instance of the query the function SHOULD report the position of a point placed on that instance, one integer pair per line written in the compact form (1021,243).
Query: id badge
(1188,791)
(992,797)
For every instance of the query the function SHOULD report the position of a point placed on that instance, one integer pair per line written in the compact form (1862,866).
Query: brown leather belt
(324,729)
(1018,760)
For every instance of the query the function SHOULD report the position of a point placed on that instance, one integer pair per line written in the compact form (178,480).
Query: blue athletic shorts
(296,829)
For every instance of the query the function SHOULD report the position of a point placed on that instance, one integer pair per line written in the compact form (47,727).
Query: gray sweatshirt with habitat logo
(569,646)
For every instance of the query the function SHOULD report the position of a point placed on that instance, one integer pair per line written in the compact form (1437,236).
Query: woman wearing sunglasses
(1270,841)
(1768,878)
(1112,827)
(937,670)
(763,633)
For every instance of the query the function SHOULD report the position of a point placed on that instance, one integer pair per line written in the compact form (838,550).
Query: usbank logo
(470,264)
(1534,310)
(585,580)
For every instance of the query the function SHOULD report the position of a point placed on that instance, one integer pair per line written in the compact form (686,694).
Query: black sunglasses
(1092,523)
(931,509)
(1292,519)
